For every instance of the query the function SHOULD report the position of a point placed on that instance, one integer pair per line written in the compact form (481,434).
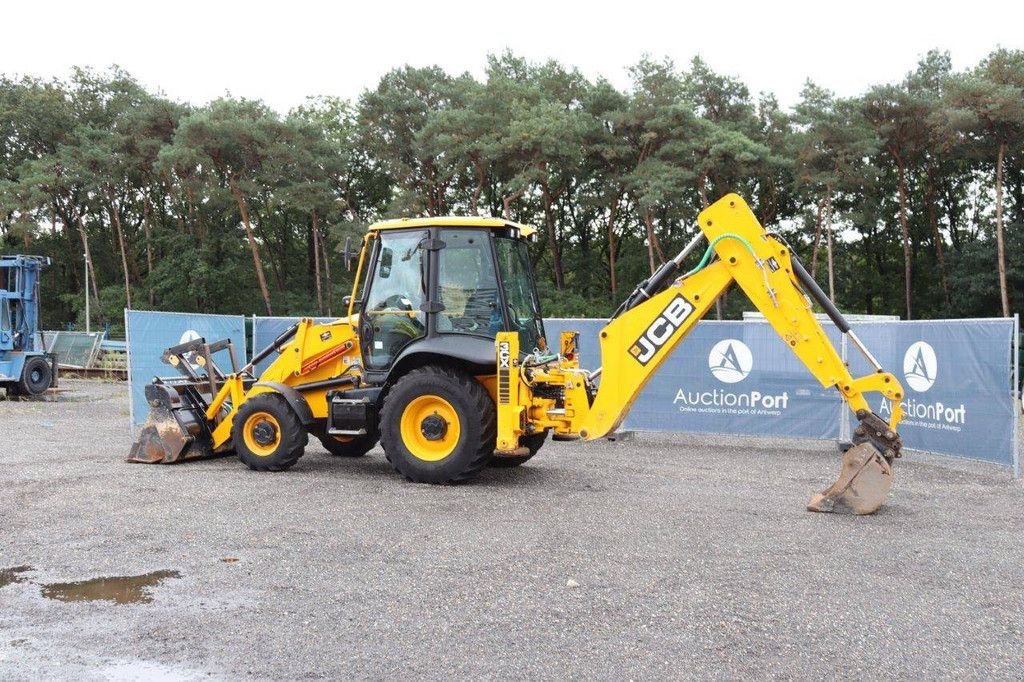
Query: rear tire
(352,446)
(36,376)
(438,425)
(267,434)
(534,441)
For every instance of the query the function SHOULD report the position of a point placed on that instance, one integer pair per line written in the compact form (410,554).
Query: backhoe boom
(665,308)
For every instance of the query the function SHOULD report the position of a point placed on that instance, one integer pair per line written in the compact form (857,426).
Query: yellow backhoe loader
(442,358)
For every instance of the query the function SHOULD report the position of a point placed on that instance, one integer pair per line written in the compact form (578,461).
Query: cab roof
(525,231)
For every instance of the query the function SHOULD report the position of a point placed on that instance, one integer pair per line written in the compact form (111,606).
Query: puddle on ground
(9,576)
(129,589)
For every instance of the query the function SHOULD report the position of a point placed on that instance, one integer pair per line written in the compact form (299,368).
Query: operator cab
(446,286)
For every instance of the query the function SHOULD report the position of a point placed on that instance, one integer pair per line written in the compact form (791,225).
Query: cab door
(393,314)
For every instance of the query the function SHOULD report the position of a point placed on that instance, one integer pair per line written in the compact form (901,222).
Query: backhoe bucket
(863,484)
(175,430)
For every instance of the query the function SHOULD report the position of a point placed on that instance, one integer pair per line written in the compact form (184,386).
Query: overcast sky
(281,52)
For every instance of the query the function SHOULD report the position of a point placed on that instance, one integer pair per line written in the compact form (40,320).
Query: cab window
(467,284)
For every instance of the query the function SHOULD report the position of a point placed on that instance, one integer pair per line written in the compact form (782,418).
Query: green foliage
(215,203)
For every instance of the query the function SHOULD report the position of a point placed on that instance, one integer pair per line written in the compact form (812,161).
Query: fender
(474,353)
(294,398)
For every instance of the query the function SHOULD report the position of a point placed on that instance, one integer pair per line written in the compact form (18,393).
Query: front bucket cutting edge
(863,484)
(160,443)
(163,438)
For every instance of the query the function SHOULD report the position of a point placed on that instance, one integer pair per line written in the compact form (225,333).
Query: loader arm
(661,312)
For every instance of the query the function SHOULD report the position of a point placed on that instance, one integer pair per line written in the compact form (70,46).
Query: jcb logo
(661,330)
(504,355)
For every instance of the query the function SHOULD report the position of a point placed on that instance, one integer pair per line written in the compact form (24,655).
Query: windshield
(517,280)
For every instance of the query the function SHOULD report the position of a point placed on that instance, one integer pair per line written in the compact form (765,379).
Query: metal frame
(128,368)
(53,337)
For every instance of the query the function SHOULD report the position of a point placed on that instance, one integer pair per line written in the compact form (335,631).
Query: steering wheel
(464,324)
(395,302)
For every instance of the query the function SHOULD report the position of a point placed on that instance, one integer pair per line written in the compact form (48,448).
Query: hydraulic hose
(710,251)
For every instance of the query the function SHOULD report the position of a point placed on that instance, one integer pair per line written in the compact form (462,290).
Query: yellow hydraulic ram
(551,391)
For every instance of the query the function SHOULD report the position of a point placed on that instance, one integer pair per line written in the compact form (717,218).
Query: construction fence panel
(958,379)
(74,349)
(150,333)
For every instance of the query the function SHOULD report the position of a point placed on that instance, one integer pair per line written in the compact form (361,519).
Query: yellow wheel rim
(430,428)
(262,434)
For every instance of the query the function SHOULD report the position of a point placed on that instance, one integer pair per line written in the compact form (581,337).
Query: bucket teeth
(159,443)
(863,484)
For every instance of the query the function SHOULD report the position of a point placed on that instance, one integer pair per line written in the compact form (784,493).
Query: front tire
(36,376)
(438,425)
(267,434)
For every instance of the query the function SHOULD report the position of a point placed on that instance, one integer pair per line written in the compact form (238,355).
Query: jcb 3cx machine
(442,358)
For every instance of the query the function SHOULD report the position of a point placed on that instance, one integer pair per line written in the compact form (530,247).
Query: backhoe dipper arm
(660,313)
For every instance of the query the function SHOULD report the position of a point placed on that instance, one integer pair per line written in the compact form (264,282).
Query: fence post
(253,344)
(1016,393)
(844,411)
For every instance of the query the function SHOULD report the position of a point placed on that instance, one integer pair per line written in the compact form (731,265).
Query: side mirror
(384,267)
(347,300)
(348,256)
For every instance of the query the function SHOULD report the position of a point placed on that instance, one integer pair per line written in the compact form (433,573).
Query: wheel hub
(434,427)
(264,433)
(430,427)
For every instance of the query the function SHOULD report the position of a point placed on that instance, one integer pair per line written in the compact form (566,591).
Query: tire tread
(292,432)
(481,404)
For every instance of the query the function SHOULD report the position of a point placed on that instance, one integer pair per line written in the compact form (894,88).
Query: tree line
(906,199)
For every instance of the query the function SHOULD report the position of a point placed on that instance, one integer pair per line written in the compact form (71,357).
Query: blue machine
(25,366)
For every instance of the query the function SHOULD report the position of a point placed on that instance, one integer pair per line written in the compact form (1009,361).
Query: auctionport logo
(730,361)
(920,366)
(186,336)
(920,369)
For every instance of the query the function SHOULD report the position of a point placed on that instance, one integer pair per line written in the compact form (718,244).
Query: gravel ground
(651,557)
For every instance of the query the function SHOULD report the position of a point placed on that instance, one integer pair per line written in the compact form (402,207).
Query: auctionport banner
(725,377)
(739,378)
(150,333)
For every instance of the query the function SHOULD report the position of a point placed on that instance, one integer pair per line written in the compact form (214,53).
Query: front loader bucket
(174,431)
(863,484)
